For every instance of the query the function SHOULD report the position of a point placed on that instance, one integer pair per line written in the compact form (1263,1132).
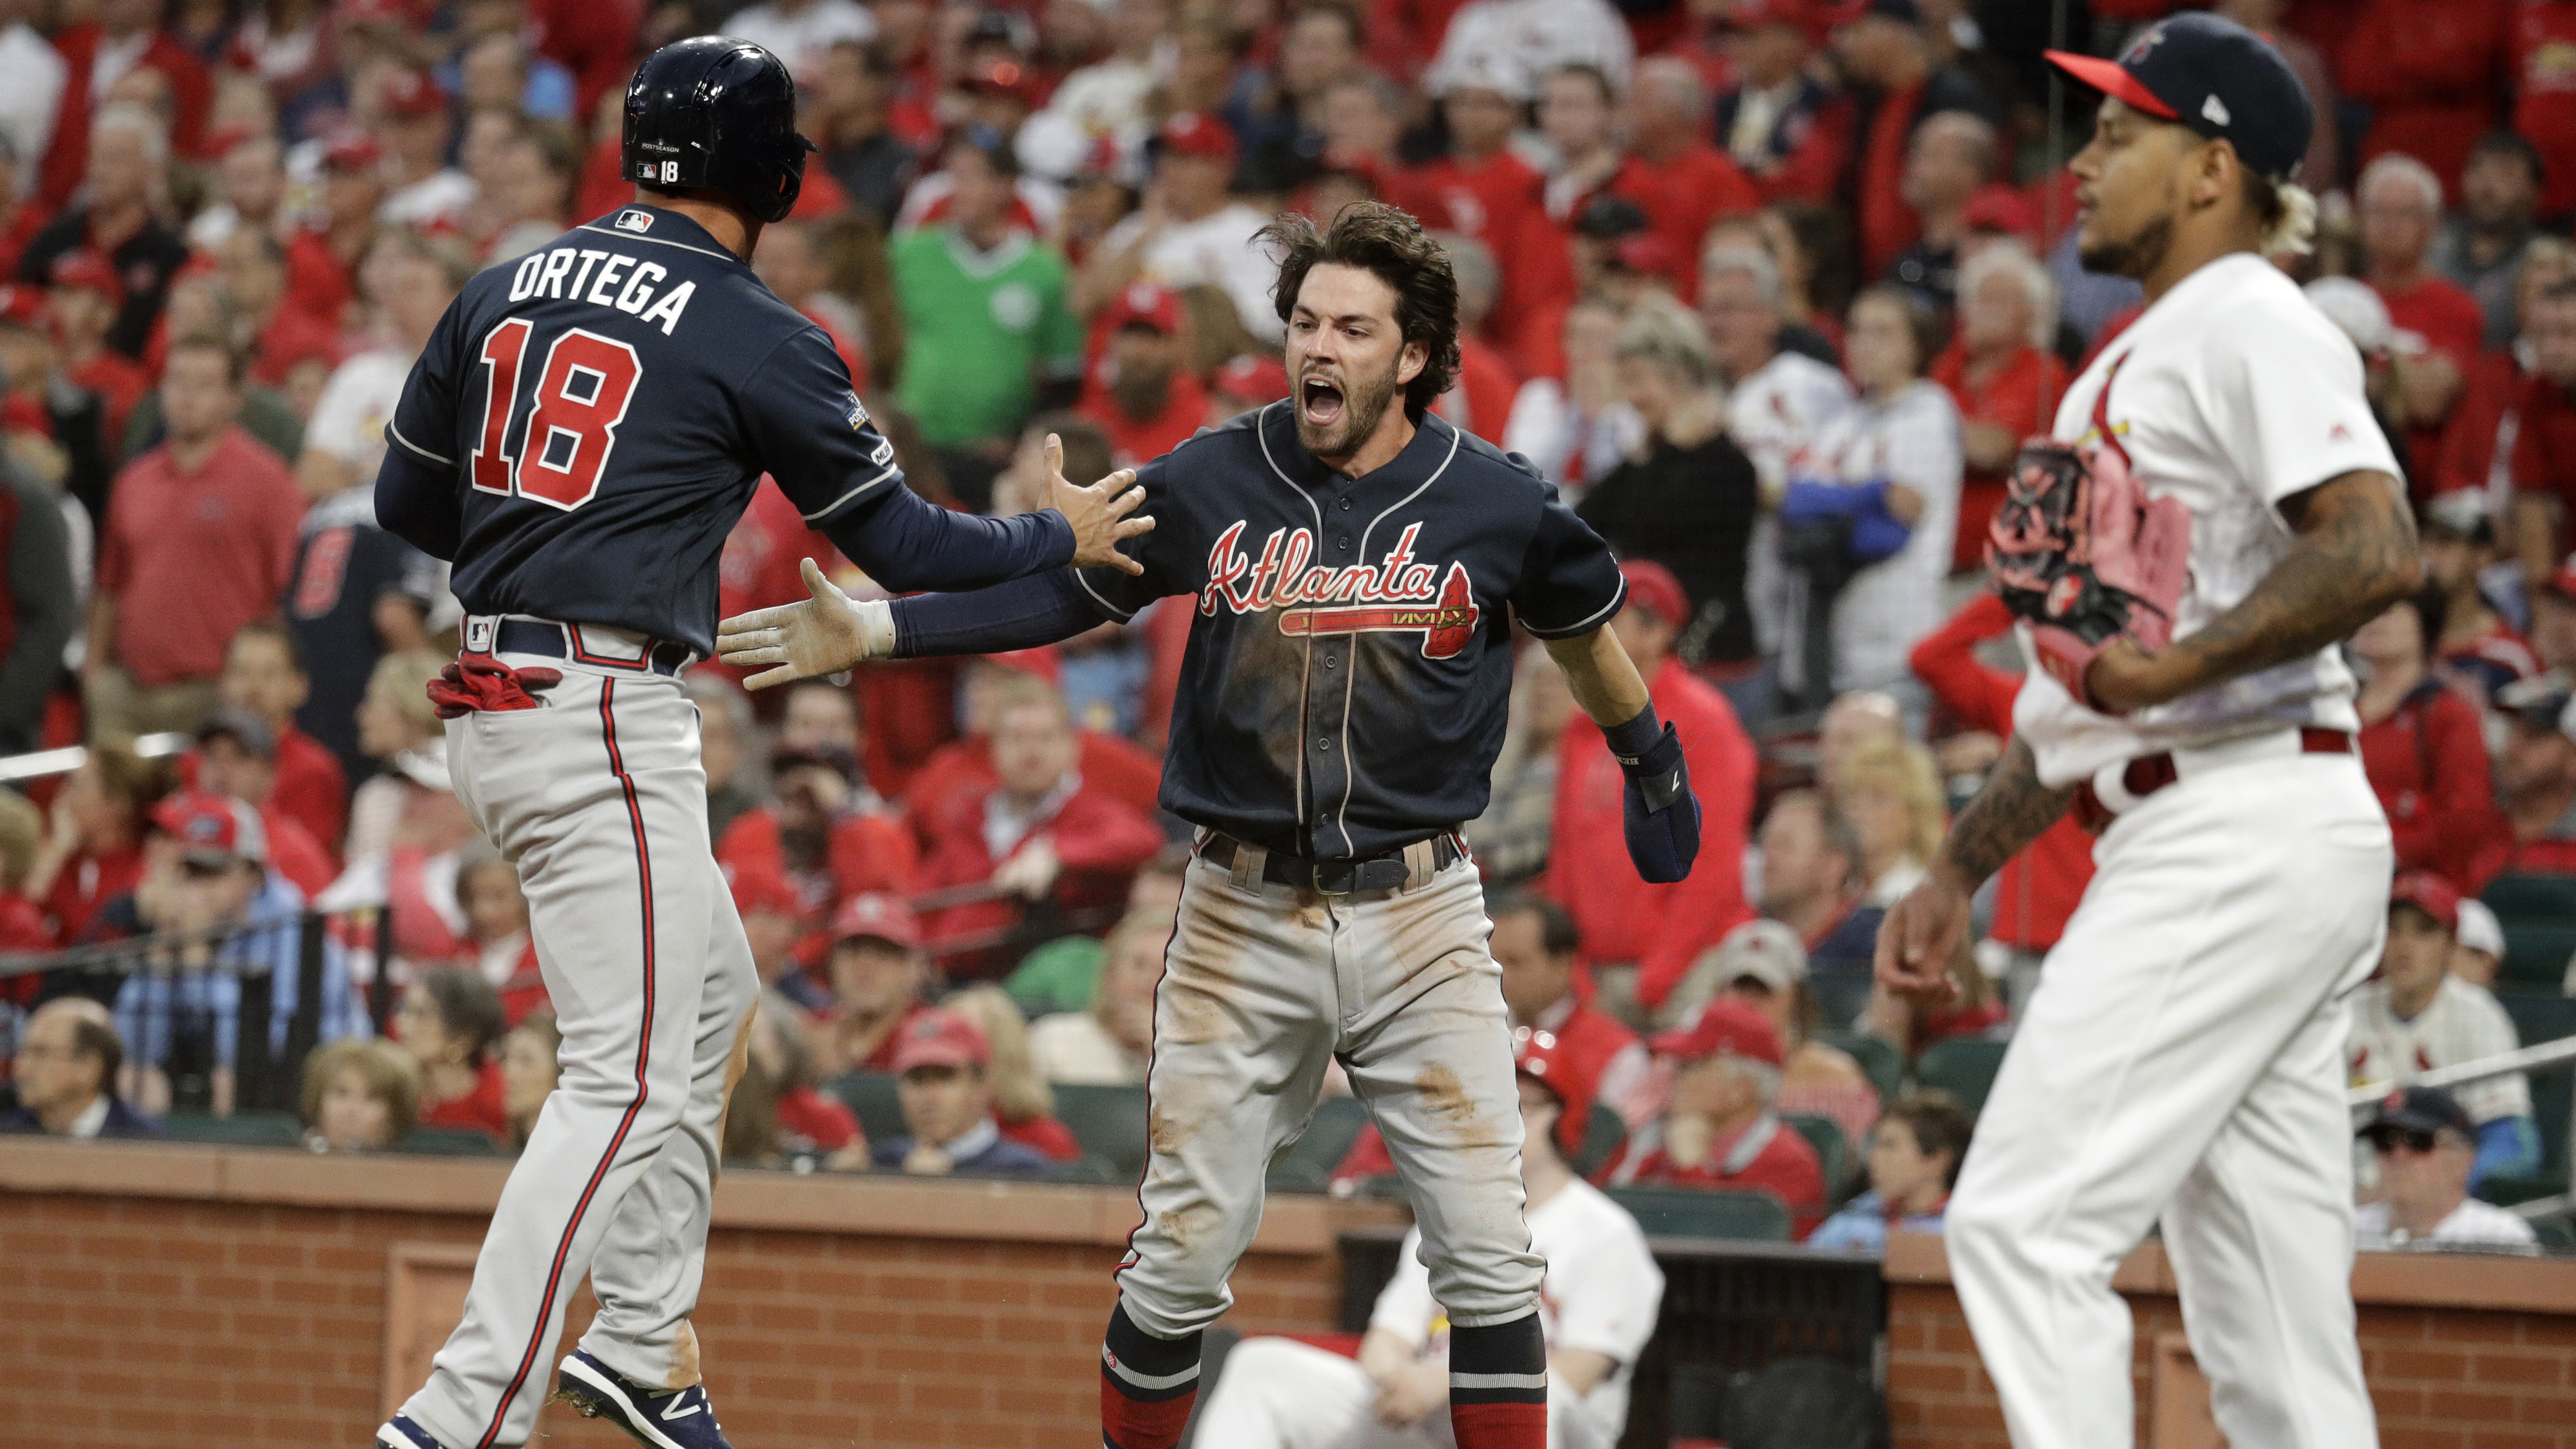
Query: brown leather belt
(2149,773)
(1394,870)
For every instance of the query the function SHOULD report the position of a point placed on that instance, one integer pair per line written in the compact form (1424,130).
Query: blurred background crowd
(1718,261)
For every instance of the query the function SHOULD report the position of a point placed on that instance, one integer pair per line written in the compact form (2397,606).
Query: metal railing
(2541,1056)
(43,764)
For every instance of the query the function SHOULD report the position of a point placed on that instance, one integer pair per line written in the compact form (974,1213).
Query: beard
(2132,257)
(1140,392)
(1359,403)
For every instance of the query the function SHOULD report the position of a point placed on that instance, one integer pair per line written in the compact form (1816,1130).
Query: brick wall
(2460,1353)
(185,1297)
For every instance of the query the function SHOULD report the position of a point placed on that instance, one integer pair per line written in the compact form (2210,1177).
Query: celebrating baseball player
(580,435)
(2216,510)
(1352,563)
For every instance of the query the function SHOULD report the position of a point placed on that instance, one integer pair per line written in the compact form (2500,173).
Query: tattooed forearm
(2006,815)
(2354,556)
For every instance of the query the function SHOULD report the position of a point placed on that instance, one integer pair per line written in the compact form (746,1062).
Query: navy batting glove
(1662,815)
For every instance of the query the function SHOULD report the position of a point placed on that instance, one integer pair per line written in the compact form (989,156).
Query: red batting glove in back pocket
(469,685)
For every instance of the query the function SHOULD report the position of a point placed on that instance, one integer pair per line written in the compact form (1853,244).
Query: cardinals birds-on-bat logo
(1397,595)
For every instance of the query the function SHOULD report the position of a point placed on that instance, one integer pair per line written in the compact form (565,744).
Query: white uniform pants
(1277,1393)
(2182,1061)
(1263,986)
(599,797)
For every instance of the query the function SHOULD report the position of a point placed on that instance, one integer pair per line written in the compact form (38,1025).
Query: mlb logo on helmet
(633,220)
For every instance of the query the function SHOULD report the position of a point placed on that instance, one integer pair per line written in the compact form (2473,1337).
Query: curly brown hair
(1388,242)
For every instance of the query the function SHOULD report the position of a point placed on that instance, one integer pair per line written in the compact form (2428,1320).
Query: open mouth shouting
(1319,402)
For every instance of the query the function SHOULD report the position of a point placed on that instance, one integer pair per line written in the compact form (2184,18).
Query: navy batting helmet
(719,114)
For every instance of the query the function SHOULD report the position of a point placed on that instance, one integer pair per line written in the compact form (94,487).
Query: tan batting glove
(825,634)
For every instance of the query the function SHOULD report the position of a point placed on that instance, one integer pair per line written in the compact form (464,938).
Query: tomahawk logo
(1397,595)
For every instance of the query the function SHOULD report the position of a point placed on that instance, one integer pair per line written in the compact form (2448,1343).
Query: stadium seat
(1602,1135)
(1109,1122)
(242,1129)
(1833,1149)
(1690,1212)
(2536,1019)
(870,1098)
(1964,1069)
(1307,1164)
(2532,897)
(2536,954)
(448,1142)
(1883,1063)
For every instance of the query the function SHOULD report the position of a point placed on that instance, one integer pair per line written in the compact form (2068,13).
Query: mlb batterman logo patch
(633,220)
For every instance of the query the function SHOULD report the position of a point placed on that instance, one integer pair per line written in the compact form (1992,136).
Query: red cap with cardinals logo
(1537,1056)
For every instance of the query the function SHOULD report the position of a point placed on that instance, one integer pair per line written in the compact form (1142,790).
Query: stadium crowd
(1772,288)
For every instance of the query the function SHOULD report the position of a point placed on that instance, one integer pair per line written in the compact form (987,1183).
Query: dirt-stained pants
(1266,984)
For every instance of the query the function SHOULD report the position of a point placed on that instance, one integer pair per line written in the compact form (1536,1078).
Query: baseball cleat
(654,1418)
(400,1432)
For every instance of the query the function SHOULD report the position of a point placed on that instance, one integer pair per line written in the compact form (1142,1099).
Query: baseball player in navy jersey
(579,436)
(1356,565)
(2213,510)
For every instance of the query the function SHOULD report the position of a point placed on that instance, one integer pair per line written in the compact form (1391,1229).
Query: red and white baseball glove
(2081,551)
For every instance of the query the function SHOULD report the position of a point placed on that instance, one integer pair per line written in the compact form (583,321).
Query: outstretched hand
(821,635)
(1099,513)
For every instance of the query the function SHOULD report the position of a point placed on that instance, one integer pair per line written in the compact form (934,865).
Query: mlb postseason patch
(633,220)
(857,416)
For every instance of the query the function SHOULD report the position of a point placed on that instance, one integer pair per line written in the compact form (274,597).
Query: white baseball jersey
(2473,1224)
(1602,1291)
(2463,1023)
(2231,418)
(1912,440)
(1772,414)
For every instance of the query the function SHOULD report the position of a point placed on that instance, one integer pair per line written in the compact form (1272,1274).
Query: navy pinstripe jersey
(1349,663)
(606,405)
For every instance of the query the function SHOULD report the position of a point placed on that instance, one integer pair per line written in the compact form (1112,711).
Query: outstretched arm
(830,631)
(2354,556)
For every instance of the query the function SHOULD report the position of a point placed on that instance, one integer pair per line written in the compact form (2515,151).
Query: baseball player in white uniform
(2236,512)
(1597,1308)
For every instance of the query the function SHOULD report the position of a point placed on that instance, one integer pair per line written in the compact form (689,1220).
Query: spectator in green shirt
(985,320)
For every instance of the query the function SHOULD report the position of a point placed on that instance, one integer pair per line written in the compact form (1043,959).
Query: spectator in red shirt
(2478,653)
(93,848)
(1043,835)
(825,831)
(2438,325)
(1642,938)
(1682,181)
(170,598)
(1718,1129)
(2429,71)
(2543,463)
(1884,53)
(1790,133)
(1482,190)
(1480,402)
(236,756)
(127,30)
(2477,447)
(2037,890)
(2544,93)
(119,218)
(880,983)
(264,678)
(496,923)
(1145,397)
(961,771)
(448,1023)
(2002,375)
(322,257)
(2424,748)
